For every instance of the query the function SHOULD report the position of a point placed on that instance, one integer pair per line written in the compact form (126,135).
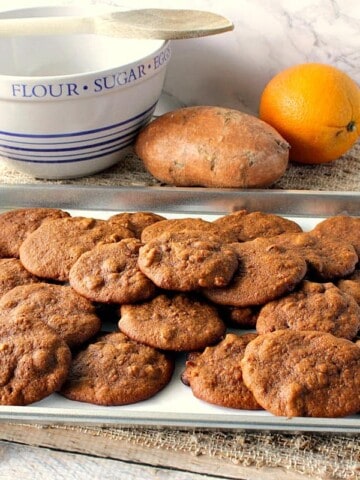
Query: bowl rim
(32,79)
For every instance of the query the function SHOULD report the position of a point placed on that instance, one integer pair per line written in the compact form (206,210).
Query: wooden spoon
(166,24)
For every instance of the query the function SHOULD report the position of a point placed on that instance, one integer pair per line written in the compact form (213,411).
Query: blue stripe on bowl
(76,156)
(143,122)
(84,132)
(132,133)
(50,156)
(88,157)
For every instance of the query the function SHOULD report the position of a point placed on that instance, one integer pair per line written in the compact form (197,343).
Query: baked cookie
(314,306)
(109,273)
(16,225)
(303,373)
(351,285)
(136,221)
(69,314)
(250,225)
(327,258)
(117,371)
(340,227)
(51,250)
(190,227)
(240,317)
(215,375)
(172,322)
(266,271)
(34,361)
(188,264)
(12,274)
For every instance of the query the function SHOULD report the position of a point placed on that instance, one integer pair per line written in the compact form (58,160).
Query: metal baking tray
(175,406)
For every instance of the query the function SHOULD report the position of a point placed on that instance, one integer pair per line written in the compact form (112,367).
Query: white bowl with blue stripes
(72,105)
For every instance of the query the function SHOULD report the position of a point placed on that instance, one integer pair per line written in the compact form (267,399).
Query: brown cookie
(186,265)
(314,306)
(251,225)
(136,221)
(215,375)
(12,274)
(117,371)
(69,314)
(178,323)
(266,271)
(191,227)
(109,273)
(240,317)
(303,373)
(327,258)
(340,227)
(16,225)
(351,285)
(52,249)
(34,361)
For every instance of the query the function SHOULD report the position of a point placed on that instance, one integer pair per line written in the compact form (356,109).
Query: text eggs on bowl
(71,105)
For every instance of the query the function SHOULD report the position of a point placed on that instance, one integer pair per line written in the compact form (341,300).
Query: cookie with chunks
(12,274)
(109,273)
(314,306)
(172,322)
(215,375)
(136,221)
(187,264)
(34,360)
(16,225)
(340,228)
(327,258)
(303,373)
(189,227)
(240,317)
(51,250)
(250,225)
(351,285)
(117,371)
(69,314)
(265,271)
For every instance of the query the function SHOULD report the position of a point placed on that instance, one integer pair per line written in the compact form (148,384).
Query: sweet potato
(212,147)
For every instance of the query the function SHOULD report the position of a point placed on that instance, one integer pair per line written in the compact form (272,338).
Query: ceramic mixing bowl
(72,105)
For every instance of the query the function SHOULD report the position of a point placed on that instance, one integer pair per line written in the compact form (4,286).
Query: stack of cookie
(175,286)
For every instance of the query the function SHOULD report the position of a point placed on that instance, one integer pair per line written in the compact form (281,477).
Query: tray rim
(268,422)
(180,200)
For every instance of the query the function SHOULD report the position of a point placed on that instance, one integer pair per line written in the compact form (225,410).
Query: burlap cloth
(341,175)
(315,455)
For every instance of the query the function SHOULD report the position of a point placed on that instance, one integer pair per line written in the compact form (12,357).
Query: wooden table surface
(29,452)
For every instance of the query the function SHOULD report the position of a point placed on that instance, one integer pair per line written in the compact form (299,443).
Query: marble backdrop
(231,69)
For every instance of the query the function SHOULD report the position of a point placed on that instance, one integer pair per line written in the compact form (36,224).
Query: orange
(316,108)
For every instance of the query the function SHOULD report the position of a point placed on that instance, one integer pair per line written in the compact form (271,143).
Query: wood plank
(102,446)
(33,463)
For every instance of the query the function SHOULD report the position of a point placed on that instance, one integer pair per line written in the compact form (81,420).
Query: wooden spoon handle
(166,24)
(38,26)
